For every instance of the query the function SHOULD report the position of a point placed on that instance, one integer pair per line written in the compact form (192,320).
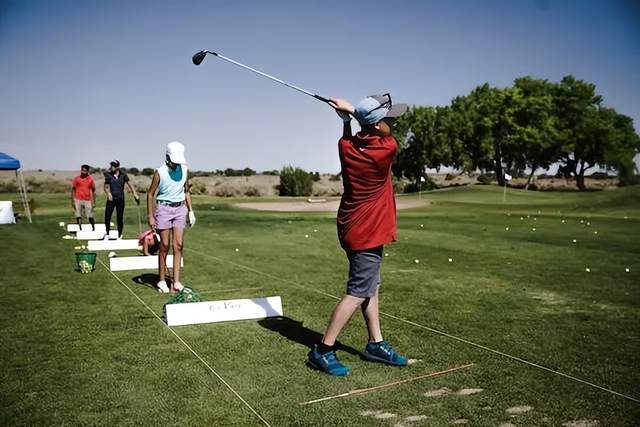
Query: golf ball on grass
(237,250)
(588,270)
(315,230)
(306,236)
(533,229)
(450,259)
(626,269)
(421,225)
(386,254)
(417,261)
(506,228)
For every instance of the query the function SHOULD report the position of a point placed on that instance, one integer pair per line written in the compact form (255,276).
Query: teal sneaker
(383,352)
(327,362)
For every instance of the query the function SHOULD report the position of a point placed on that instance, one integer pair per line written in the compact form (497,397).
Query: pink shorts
(168,217)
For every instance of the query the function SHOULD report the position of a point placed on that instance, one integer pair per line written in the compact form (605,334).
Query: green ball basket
(86,261)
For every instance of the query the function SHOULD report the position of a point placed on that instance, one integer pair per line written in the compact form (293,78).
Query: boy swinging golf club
(169,205)
(366,222)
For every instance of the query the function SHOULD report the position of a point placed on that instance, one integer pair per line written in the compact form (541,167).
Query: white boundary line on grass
(188,347)
(417,325)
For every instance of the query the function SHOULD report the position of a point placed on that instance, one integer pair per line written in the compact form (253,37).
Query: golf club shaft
(275,79)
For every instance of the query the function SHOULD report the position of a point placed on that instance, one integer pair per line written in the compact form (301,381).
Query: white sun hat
(175,151)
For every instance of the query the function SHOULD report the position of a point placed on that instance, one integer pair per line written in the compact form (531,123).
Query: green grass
(81,349)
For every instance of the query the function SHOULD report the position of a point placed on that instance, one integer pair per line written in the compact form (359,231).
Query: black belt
(168,203)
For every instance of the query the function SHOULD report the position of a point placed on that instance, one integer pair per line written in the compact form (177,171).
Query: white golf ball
(417,261)
(386,254)
(535,219)
(306,236)
(595,232)
(61,224)
(289,222)
(507,228)
(581,221)
(626,217)
(588,223)
(626,269)
(533,229)
(450,259)
(421,225)
(574,240)
(563,221)
(528,216)
(521,218)
(112,254)
(587,270)
(237,250)
(315,230)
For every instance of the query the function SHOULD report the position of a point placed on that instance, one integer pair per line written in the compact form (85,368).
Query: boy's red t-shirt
(82,187)
(367,213)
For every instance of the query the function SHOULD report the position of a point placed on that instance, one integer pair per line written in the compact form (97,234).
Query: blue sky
(90,81)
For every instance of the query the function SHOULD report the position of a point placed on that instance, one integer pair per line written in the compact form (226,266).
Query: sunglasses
(386,104)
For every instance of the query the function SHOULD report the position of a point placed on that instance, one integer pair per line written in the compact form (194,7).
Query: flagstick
(360,391)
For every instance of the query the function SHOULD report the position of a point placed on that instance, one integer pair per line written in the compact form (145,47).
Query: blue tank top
(171,185)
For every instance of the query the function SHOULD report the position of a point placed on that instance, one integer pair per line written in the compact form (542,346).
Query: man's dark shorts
(364,272)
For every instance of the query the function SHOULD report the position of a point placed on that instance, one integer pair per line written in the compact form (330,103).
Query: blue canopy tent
(9,163)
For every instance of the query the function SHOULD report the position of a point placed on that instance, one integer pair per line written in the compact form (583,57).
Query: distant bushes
(295,182)
(8,187)
(486,178)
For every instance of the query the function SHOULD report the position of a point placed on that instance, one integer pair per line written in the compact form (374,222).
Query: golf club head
(199,57)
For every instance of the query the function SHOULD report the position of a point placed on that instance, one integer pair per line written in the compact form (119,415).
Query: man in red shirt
(366,222)
(83,195)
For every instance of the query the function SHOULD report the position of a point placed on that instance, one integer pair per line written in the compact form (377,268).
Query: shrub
(47,185)
(599,175)
(295,182)
(486,178)
(336,177)
(8,187)
(428,185)
(197,187)
(272,172)
(148,171)
(315,176)
(252,192)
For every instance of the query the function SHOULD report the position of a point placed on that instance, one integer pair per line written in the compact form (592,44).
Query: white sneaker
(177,286)
(162,287)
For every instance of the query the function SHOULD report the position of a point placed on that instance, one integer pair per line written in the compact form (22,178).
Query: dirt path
(326,206)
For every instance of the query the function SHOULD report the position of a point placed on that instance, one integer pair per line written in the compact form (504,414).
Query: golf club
(199,57)
(139,221)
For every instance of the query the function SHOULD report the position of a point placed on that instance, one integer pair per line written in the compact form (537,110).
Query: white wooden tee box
(74,228)
(95,235)
(192,313)
(139,263)
(112,245)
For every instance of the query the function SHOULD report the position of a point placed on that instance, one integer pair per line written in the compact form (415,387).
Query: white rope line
(444,334)
(179,338)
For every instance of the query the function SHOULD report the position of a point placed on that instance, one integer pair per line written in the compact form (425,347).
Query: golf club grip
(321,98)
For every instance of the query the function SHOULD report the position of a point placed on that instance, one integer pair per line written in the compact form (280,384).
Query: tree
(576,108)
(426,142)
(535,123)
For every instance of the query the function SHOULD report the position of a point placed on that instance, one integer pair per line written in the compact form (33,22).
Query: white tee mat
(193,313)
